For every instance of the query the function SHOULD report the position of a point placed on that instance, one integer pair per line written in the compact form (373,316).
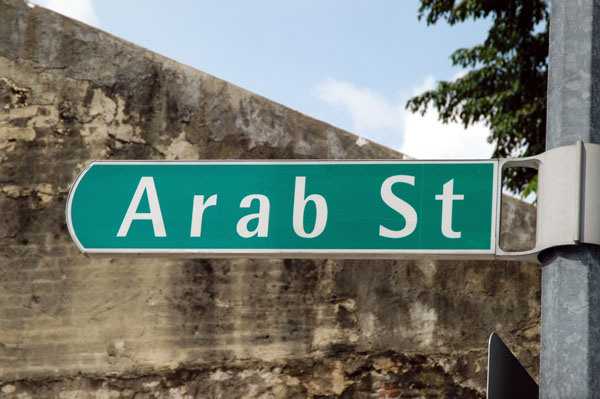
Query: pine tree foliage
(507,79)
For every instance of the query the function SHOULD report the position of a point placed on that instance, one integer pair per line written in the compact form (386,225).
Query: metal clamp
(568,198)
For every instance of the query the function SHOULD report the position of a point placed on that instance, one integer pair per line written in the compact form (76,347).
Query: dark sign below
(507,378)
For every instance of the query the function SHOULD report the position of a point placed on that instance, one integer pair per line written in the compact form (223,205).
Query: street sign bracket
(530,255)
(568,198)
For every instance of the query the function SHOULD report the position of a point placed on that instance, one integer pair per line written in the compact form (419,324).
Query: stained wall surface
(79,327)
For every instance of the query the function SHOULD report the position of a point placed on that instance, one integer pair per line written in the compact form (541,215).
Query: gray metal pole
(570,337)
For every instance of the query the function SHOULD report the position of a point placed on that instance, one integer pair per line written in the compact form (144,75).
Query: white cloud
(372,115)
(427,84)
(82,10)
(389,123)
(425,137)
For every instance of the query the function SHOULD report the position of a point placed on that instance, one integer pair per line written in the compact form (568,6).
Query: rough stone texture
(516,231)
(78,327)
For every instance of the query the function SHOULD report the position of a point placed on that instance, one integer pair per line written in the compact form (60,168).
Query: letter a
(146,184)
(400,206)
(300,205)
(262,230)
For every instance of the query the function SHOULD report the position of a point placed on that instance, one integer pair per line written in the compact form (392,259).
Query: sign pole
(570,336)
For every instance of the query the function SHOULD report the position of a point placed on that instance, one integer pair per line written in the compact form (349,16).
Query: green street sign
(352,209)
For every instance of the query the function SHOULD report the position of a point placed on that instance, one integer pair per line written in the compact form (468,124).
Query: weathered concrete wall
(72,326)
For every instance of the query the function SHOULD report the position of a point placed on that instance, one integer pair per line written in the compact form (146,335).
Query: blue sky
(347,62)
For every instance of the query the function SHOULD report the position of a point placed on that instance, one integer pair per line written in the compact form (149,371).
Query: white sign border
(295,253)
